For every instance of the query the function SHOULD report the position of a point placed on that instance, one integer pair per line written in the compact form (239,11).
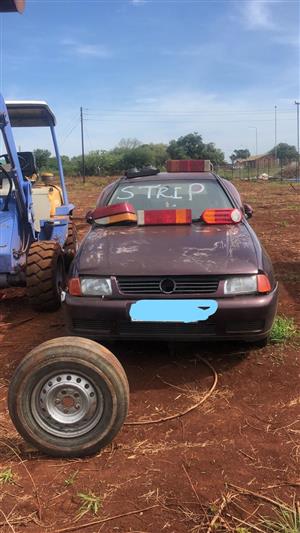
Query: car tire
(69,397)
(71,245)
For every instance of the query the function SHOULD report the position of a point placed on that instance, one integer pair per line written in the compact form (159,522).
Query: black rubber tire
(71,245)
(45,275)
(70,354)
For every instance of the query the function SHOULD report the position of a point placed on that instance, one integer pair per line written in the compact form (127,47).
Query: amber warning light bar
(189,165)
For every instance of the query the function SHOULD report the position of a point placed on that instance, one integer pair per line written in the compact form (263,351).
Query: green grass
(71,479)
(283,330)
(6,476)
(90,504)
(286,522)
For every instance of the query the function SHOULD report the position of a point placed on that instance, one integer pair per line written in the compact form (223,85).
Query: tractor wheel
(71,245)
(45,275)
(69,397)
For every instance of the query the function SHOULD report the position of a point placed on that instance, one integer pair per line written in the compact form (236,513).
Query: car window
(196,195)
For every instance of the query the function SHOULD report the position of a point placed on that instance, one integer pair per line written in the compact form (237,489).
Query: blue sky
(156,69)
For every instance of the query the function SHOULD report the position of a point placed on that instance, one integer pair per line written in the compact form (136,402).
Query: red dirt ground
(176,472)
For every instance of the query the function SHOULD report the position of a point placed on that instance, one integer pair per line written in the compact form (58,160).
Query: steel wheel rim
(67,404)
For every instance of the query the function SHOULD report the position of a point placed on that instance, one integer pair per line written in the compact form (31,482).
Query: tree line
(132,153)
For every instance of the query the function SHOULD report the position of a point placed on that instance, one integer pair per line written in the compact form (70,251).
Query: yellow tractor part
(55,198)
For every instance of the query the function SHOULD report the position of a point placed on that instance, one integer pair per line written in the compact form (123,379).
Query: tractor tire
(71,245)
(45,275)
(69,397)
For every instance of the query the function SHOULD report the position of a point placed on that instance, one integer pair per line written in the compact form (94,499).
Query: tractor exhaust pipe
(12,5)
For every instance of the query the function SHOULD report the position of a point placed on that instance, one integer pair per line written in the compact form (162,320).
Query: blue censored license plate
(172,310)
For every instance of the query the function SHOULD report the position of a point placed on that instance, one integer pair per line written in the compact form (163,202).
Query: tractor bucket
(12,5)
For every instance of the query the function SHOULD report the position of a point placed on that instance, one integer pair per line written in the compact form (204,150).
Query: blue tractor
(37,236)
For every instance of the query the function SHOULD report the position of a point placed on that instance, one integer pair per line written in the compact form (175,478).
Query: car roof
(172,176)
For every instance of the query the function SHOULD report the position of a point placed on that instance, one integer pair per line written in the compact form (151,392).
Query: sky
(155,70)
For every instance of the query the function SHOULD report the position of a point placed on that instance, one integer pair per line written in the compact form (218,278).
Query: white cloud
(257,14)
(93,50)
(288,39)
(86,49)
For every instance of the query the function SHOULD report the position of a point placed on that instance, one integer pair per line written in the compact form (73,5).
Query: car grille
(144,329)
(155,330)
(91,324)
(152,285)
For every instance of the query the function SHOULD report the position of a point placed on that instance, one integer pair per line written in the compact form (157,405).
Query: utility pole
(298,158)
(82,146)
(275,135)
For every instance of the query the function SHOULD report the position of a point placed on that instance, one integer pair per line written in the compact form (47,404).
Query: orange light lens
(74,287)
(222,216)
(263,283)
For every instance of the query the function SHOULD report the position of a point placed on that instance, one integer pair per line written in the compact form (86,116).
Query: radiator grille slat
(183,284)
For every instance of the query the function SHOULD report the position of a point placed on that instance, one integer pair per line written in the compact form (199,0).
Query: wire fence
(282,170)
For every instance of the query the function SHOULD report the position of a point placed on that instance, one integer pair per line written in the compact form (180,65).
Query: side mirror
(89,217)
(248,210)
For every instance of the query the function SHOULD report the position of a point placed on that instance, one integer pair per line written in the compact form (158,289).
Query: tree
(191,146)
(241,153)
(285,152)
(42,157)
(129,143)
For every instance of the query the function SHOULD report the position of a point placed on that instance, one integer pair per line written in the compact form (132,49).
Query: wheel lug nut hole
(86,386)
(76,395)
(92,394)
(58,379)
(63,392)
(78,380)
(50,384)
(69,378)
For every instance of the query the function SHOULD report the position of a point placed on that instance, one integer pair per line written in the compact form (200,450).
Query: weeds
(71,479)
(90,504)
(286,522)
(6,476)
(283,330)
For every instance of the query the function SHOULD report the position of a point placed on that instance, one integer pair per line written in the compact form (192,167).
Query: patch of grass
(6,476)
(90,504)
(285,522)
(71,479)
(283,330)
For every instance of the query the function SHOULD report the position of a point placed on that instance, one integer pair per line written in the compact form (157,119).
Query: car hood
(166,250)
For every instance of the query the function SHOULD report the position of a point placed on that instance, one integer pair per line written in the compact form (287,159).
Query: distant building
(256,161)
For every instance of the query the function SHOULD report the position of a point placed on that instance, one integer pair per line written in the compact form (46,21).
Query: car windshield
(196,195)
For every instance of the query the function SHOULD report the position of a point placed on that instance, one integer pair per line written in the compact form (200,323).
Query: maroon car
(171,256)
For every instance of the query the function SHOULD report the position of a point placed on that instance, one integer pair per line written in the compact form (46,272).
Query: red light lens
(164,216)
(222,216)
(74,287)
(189,165)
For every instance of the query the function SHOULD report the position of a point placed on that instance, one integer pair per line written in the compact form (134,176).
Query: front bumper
(247,318)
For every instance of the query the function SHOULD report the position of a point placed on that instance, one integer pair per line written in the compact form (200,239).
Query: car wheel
(69,397)
(71,244)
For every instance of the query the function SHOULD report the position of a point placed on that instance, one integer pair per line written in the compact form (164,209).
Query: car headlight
(95,286)
(242,285)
